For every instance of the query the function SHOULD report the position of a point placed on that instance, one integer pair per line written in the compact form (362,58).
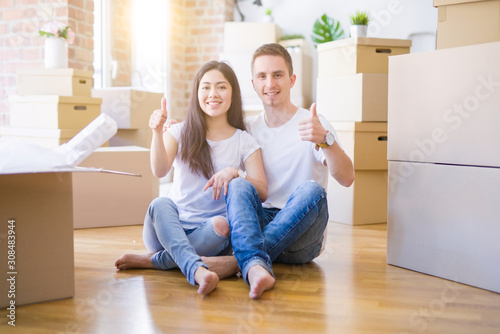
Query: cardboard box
(443,220)
(248,36)
(467,22)
(444,106)
(300,94)
(40,205)
(364,142)
(132,137)
(358,97)
(358,55)
(50,138)
(364,202)
(119,200)
(129,107)
(44,137)
(55,81)
(52,111)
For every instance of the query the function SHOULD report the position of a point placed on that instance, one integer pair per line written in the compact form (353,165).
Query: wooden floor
(348,289)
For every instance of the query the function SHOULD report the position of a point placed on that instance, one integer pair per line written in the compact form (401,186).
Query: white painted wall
(401,19)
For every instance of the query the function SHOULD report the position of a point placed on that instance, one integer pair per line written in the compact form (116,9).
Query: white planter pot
(358,30)
(55,53)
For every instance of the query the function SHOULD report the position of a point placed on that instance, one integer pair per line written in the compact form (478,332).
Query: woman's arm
(163,145)
(255,175)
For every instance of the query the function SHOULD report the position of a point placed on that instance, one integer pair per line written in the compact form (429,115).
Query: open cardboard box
(40,206)
(36,214)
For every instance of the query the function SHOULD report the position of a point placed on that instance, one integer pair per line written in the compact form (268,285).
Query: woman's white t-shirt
(194,205)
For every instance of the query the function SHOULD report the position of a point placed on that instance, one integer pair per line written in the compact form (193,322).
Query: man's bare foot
(223,266)
(134,261)
(206,279)
(260,280)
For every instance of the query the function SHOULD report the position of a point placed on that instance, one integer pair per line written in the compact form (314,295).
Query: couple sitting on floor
(267,176)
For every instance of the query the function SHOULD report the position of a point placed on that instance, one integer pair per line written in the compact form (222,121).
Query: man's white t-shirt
(193,204)
(288,161)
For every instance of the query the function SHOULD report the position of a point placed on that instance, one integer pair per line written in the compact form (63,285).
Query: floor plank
(348,289)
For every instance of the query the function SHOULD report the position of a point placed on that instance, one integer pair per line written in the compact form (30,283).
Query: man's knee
(314,189)
(221,226)
(241,188)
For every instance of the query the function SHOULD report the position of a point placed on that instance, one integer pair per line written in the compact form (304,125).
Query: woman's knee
(160,202)
(221,226)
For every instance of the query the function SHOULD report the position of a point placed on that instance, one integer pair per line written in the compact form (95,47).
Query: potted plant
(293,42)
(359,23)
(325,29)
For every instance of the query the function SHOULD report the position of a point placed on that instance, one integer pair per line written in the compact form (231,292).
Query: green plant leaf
(44,33)
(325,29)
(360,18)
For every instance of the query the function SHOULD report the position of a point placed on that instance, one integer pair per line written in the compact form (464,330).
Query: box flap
(68,170)
(368,41)
(56,72)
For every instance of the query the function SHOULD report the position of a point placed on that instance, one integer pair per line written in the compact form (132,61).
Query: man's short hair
(274,49)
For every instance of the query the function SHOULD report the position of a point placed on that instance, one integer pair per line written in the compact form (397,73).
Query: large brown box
(132,137)
(129,107)
(102,199)
(53,111)
(364,202)
(467,22)
(443,220)
(358,97)
(56,81)
(41,205)
(364,142)
(358,55)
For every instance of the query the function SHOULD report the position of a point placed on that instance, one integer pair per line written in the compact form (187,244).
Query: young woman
(207,151)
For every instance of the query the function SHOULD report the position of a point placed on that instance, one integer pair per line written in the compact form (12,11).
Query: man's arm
(339,164)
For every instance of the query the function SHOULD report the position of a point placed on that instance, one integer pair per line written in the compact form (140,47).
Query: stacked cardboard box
(131,109)
(352,95)
(241,39)
(52,106)
(444,175)
(120,200)
(467,22)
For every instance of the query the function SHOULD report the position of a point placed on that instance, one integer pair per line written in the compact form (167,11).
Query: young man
(299,149)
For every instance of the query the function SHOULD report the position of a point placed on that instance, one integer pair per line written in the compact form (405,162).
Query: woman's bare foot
(206,279)
(260,280)
(223,266)
(134,261)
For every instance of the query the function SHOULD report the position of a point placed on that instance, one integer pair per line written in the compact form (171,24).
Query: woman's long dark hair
(195,150)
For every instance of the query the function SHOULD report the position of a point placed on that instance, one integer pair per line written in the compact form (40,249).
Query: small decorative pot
(55,53)
(358,30)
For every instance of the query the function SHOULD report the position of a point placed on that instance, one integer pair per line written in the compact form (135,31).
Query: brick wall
(196,37)
(22,48)
(121,41)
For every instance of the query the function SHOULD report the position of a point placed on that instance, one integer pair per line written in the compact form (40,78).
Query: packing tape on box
(21,157)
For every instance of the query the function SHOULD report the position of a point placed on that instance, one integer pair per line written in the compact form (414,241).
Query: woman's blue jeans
(176,247)
(261,236)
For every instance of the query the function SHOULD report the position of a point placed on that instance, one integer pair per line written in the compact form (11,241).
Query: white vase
(55,53)
(358,30)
